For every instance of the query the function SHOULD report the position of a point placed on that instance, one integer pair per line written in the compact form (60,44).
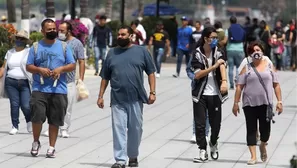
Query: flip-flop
(263,154)
(251,162)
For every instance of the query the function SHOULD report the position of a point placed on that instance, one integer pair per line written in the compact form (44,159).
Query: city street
(167,131)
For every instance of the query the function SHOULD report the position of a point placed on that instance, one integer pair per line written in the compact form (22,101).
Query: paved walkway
(167,130)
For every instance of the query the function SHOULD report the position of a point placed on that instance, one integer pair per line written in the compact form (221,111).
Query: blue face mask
(19,43)
(214,43)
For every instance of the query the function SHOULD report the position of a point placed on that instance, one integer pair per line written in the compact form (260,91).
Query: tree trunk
(25,7)
(50,8)
(84,8)
(140,8)
(11,11)
(108,9)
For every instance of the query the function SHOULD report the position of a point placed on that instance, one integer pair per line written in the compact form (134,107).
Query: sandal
(263,153)
(251,162)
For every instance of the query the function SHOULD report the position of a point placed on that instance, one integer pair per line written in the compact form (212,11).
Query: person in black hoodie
(209,91)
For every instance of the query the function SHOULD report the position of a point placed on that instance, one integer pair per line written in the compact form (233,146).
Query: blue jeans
(234,59)
(126,143)
(158,54)
(286,57)
(100,53)
(18,92)
(180,55)
(206,126)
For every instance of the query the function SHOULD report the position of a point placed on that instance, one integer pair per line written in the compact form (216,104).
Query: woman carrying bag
(16,81)
(257,82)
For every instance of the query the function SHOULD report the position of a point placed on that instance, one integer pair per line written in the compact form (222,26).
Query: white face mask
(257,55)
(62,36)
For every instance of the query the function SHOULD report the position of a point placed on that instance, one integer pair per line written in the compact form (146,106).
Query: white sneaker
(29,127)
(13,131)
(46,133)
(158,75)
(203,157)
(64,134)
(193,139)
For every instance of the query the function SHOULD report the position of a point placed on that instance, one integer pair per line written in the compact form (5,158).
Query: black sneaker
(118,165)
(50,153)
(175,75)
(133,163)
(35,148)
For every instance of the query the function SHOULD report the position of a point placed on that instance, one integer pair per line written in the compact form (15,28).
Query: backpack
(35,46)
(236,34)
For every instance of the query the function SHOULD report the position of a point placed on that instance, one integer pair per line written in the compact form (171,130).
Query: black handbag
(269,110)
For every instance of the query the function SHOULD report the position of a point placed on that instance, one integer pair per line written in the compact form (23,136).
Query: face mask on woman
(20,43)
(257,55)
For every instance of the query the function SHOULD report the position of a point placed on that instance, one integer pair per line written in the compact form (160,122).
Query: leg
(135,121)
(71,98)
(215,117)
(56,113)
(119,131)
(251,129)
(200,118)
(25,100)
(38,106)
(231,67)
(13,93)
(103,54)
(160,54)
(207,125)
(237,60)
(180,55)
(264,128)
(187,54)
(97,57)
(155,55)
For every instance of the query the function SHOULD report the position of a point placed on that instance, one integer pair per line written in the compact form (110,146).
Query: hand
(235,109)
(279,108)
(100,103)
(45,72)
(168,55)
(187,46)
(224,87)
(152,99)
(56,73)
(219,62)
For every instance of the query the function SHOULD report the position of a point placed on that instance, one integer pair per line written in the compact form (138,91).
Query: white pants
(71,87)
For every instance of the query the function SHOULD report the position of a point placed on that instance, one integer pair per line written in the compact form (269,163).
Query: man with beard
(124,68)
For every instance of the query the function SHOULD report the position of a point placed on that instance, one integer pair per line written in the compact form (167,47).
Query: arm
(2,69)
(150,43)
(291,37)
(202,73)
(139,35)
(110,38)
(277,91)
(168,47)
(239,88)
(103,86)
(82,69)
(152,82)
(189,71)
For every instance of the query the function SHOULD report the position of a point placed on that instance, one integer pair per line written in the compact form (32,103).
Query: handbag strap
(260,79)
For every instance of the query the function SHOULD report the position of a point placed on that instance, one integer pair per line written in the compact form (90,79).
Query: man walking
(48,61)
(123,67)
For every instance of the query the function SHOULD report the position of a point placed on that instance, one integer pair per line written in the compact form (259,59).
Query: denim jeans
(286,57)
(18,92)
(158,54)
(126,143)
(180,55)
(100,53)
(234,59)
(206,126)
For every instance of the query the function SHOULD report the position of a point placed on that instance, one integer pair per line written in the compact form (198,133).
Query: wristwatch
(153,92)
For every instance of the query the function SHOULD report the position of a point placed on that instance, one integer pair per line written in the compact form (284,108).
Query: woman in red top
(137,34)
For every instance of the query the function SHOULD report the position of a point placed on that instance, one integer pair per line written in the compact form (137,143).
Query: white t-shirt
(210,88)
(14,64)
(245,62)
(143,33)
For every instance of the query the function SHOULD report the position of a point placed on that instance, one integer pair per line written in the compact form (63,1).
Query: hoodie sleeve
(196,63)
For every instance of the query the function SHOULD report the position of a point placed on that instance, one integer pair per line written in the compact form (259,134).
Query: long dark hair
(205,33)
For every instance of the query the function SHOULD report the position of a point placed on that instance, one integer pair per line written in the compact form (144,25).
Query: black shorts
(52,106)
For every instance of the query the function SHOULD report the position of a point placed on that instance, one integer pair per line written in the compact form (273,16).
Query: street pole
(123,12)
(11,11)
(72,10)
(158,9)
(25,22)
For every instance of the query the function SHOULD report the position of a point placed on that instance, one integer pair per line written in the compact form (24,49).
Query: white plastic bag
(82,92)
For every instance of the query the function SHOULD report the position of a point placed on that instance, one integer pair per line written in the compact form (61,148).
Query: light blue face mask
(214,43)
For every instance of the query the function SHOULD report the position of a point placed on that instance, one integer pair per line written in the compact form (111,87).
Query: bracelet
(224,80)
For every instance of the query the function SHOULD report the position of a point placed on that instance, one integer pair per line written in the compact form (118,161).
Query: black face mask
(51,35)
(123,42)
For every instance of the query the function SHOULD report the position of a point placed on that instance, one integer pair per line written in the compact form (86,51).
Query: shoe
(251,162)
(193,139)
(158,75)
(13,131)
(133,163)
(96,74)
(175,75)
(46,133)
(35,148)
(203,157)
(118,165)
(50,153)
(263,153)
(64,134)
(214,151)
(29,127)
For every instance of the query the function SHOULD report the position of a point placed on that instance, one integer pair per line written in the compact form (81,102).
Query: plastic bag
(82,92)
